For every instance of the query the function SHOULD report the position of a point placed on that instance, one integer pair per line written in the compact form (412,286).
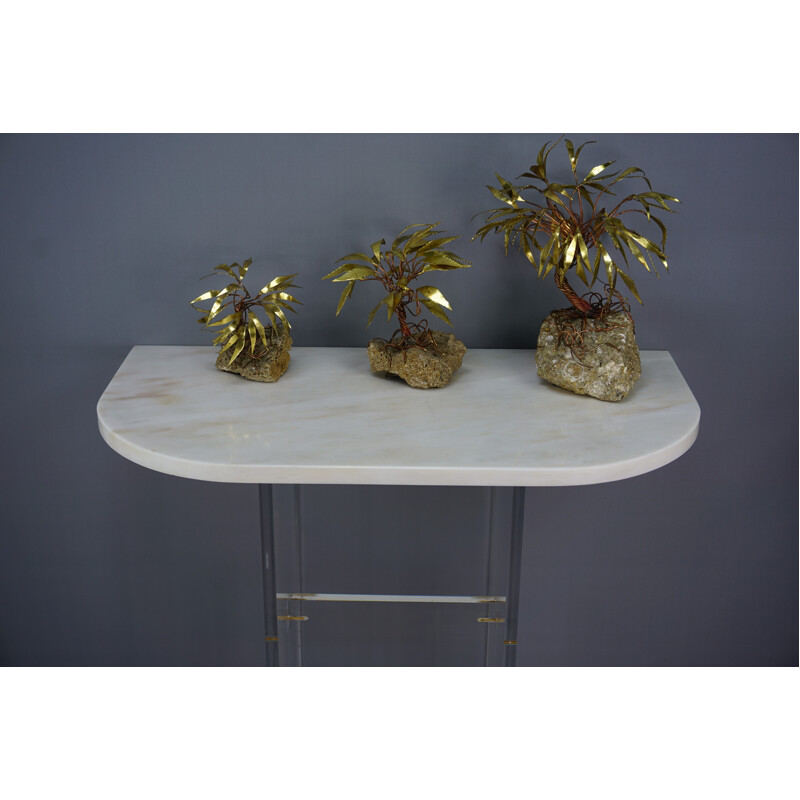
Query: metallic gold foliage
(557,229)
(416,250)
(241,327)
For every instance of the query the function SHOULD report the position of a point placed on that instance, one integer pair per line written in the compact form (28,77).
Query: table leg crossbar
(389,598)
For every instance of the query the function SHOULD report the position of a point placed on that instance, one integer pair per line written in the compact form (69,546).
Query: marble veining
(330,420)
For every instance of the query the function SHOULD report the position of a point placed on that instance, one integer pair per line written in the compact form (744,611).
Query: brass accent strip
(509,641)
(270,638)
(293,619)
(491,619)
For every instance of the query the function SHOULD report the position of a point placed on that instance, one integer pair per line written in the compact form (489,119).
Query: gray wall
(103,240)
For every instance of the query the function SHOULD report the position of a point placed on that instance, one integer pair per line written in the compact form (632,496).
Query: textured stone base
(611,359)
(422,369)
(268,367)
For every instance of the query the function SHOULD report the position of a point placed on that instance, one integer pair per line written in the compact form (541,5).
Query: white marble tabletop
(330,420)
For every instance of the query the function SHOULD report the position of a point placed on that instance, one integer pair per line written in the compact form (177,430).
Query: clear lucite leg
(514,568)
(503,562)
(268,574)
(495,557)
(289,563)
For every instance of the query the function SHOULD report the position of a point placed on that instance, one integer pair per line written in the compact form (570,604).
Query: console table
(329,420)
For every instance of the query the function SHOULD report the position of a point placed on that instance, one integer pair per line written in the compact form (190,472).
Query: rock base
(267,365)
(422,369)
(606,367)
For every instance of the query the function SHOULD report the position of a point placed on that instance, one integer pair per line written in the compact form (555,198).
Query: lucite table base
(288,603)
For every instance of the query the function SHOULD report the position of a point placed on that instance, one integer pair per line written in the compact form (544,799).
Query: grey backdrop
(102,562)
